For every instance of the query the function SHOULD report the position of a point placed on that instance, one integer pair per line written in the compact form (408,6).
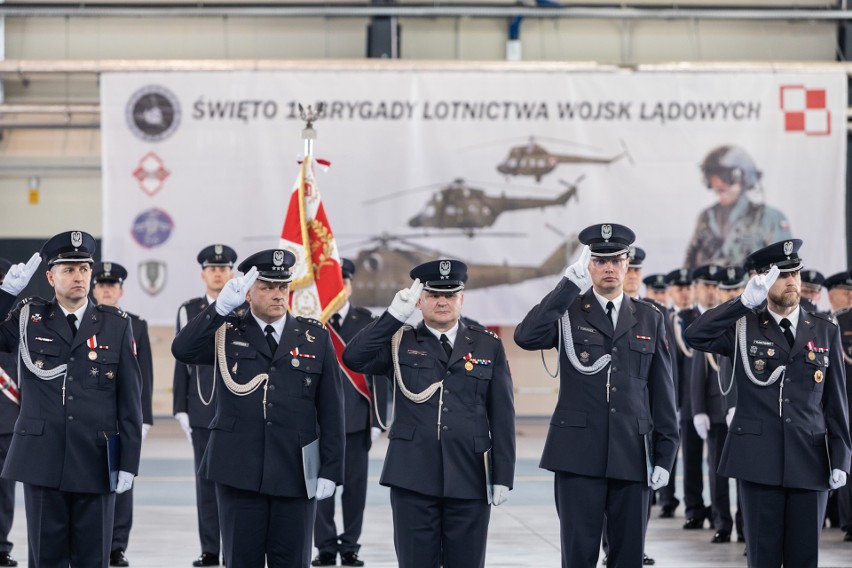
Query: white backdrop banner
(498,169)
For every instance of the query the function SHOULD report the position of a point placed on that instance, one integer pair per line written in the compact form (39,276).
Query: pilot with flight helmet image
(728,231)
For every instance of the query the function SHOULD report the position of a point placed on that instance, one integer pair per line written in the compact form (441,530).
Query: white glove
(325,488)
(729,417)
(405,301)
(838,479)
(374,434)
(578,273)
(659,478)
(702,425)
(19,275)
(145,428)
(499,494)
(758,287)
(233,295)
(183,420)
(125,482)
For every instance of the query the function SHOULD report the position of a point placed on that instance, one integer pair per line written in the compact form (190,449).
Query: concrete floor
(524,532)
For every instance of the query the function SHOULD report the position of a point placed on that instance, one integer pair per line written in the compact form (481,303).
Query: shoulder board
(134,316)
(34,300)
(484,330)
(192,301)
(827,317)
(311,321)
(643,302)
(112,310)
(407,327)
(843,311)
(361,310)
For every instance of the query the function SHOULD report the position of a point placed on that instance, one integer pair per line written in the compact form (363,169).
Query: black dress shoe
(740,537)
(116,558)
(206,559)
(666,513)
(325,559)
(350,559)
(693,523)
(647,560)
(7,560)
(721,536)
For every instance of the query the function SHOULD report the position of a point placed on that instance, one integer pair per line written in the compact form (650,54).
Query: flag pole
(309,135)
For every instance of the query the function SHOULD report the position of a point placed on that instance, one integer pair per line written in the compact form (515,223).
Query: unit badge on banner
(152,276)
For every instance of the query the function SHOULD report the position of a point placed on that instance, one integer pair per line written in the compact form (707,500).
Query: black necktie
(788,333)
(445,343)
(71,318)
(335,321)
(609,307)
(270,339)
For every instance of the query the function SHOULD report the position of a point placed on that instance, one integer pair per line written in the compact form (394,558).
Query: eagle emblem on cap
(732,273)
(278,257)
(444,268)
(712,270)
(76,238)
(107,267)
(788,248)
(812,274)
(660,278)
(606,232)
(683,274)
(217,249)
(631,252)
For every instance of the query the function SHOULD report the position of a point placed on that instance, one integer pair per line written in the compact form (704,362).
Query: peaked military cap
(273,265)
(607,239)
(709,274)
(679,277)
(635,256)
(655,282)
(347,268)
(108,272)
(733,277)
(813,277)
(71,246)
(217,255)
(783,254)
(839,280)
(445,276)
(5,265)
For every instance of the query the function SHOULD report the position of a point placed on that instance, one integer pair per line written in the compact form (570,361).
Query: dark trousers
(692,454)
(431,532)
(782,526)
(582,502)
(68,528)
(7,498)
(261,530)
(666,495)
(352,500)
(844,506)
(205,497)
(123,520)
(720,494)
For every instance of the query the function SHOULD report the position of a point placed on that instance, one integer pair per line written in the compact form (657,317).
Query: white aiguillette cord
(779,372)
(417,398)
(238,389)
(24,351)
(566,339)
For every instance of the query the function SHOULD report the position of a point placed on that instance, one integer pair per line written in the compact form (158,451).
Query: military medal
(584,357)
(811,356)
(770,352)
(110,375)
(39,363)
(818,376)
(308,381)
(753,350)
(94,372)
(759,365)
(93,355)
(35,318)
(468,366)
(295,362)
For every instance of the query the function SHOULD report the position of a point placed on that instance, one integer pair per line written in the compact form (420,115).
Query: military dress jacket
(64,446)
(248,450)
(682,360)
(193,387)
(477,414)
(146,365)
(844,321)
(8,409)
(796,441)
(705,386)
(590,435)
(358,408)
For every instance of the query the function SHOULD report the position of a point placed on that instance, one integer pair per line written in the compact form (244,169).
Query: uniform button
(270,405)
(272,387)
(269,423)
(207,316)
(614,389)
(561,422)
(70,418)
(70,397)
(448,373)
(446,409)
(786,401)
(787,380)
(445,428)
(446,391)
(788,421)
(71,359)
(272,369)
(612,410)
(615,369)
(739,429)
(71,379)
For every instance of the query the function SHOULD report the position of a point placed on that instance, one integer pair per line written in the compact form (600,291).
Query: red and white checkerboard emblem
(805,110)
(151,173)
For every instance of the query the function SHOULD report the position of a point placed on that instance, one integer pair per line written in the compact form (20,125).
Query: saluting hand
(233,295)
(578,273)
(757,289)
(19,275)
(405,301)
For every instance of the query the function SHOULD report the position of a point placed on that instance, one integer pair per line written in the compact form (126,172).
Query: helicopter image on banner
(383,268)
(461,206)
(533,159)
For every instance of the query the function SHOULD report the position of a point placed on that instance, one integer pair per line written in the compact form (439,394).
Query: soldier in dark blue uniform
(10,404)
(656,289)
(633,278)
(812,281)
(839,288)
(843,495)
(452,443)
(277,439)
(613,436)
(362,429)
(195,396)
(107,289)
(789,438)
(710,385)
(80,397)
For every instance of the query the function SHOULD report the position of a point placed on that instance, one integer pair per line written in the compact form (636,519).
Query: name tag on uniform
(240,343)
